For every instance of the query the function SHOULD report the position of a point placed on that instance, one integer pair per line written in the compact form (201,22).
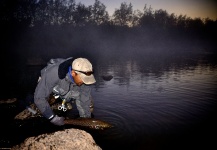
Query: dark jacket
(56,73)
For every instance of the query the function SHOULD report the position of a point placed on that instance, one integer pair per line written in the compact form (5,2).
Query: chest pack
(62,89)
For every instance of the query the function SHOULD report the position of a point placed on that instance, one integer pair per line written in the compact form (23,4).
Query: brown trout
(89,123)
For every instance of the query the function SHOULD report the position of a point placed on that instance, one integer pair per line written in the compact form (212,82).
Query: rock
(107,77)
(8,101)
(68,139)
(26,114)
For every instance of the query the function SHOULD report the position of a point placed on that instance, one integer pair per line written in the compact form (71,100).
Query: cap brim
(87,79)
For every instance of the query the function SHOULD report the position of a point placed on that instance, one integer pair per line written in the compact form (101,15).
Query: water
(156,106)
(154,103)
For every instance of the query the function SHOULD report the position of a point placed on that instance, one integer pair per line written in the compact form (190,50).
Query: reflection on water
(154,102)
(157,102)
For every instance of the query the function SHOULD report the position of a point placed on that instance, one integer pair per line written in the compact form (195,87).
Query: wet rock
(8,105)
(73,139)
(28,112)
(107,77)
(8,101)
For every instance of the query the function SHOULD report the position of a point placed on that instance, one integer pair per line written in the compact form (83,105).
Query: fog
(35,32)
(97,42)
(32,30)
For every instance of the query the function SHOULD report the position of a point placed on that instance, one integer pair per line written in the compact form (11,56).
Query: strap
(70,75)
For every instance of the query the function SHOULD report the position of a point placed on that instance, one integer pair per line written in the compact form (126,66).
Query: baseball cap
(83,67)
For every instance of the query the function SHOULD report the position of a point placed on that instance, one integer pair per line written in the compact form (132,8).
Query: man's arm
(41,95)
(42,92)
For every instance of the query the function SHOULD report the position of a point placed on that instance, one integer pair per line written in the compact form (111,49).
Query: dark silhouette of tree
(51,12)
(147,20)
(56,11)
(124,15)
(82,15)
(17,13)
(99,15)
(182,22)
(195,25)
(137,15)
(171,22)
(70,12)
(210,28)
(161,18)
(42,14)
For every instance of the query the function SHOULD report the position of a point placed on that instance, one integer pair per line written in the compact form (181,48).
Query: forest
(52,28)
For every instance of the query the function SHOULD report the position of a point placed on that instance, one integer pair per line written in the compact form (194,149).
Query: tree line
(60,27)
(67,12)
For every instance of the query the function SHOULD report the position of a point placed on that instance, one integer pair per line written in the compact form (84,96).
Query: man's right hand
(59,121)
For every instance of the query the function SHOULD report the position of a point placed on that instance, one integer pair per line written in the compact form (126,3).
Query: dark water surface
(158,103)
(154,103)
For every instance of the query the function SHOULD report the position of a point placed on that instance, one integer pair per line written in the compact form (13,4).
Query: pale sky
(190,8)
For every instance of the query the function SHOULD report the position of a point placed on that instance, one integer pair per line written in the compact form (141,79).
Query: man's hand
(59,121)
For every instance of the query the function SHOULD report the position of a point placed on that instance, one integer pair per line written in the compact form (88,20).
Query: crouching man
(69,79)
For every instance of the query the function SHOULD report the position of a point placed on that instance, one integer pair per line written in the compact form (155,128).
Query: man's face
(77,78)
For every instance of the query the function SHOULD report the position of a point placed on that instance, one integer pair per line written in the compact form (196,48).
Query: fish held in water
(89,123)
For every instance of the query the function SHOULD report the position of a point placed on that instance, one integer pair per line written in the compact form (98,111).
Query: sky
(190,8)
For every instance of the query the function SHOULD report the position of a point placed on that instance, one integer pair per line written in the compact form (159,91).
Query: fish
(90,123)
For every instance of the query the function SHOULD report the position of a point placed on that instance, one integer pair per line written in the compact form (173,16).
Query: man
(69,79)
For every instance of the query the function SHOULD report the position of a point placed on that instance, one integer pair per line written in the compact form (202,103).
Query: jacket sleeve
(43,90)
(83,102)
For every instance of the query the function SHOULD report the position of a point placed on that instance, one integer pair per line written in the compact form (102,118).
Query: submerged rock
(107,77)
(67,139)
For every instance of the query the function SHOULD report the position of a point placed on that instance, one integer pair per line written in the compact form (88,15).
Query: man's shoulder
(57,66)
